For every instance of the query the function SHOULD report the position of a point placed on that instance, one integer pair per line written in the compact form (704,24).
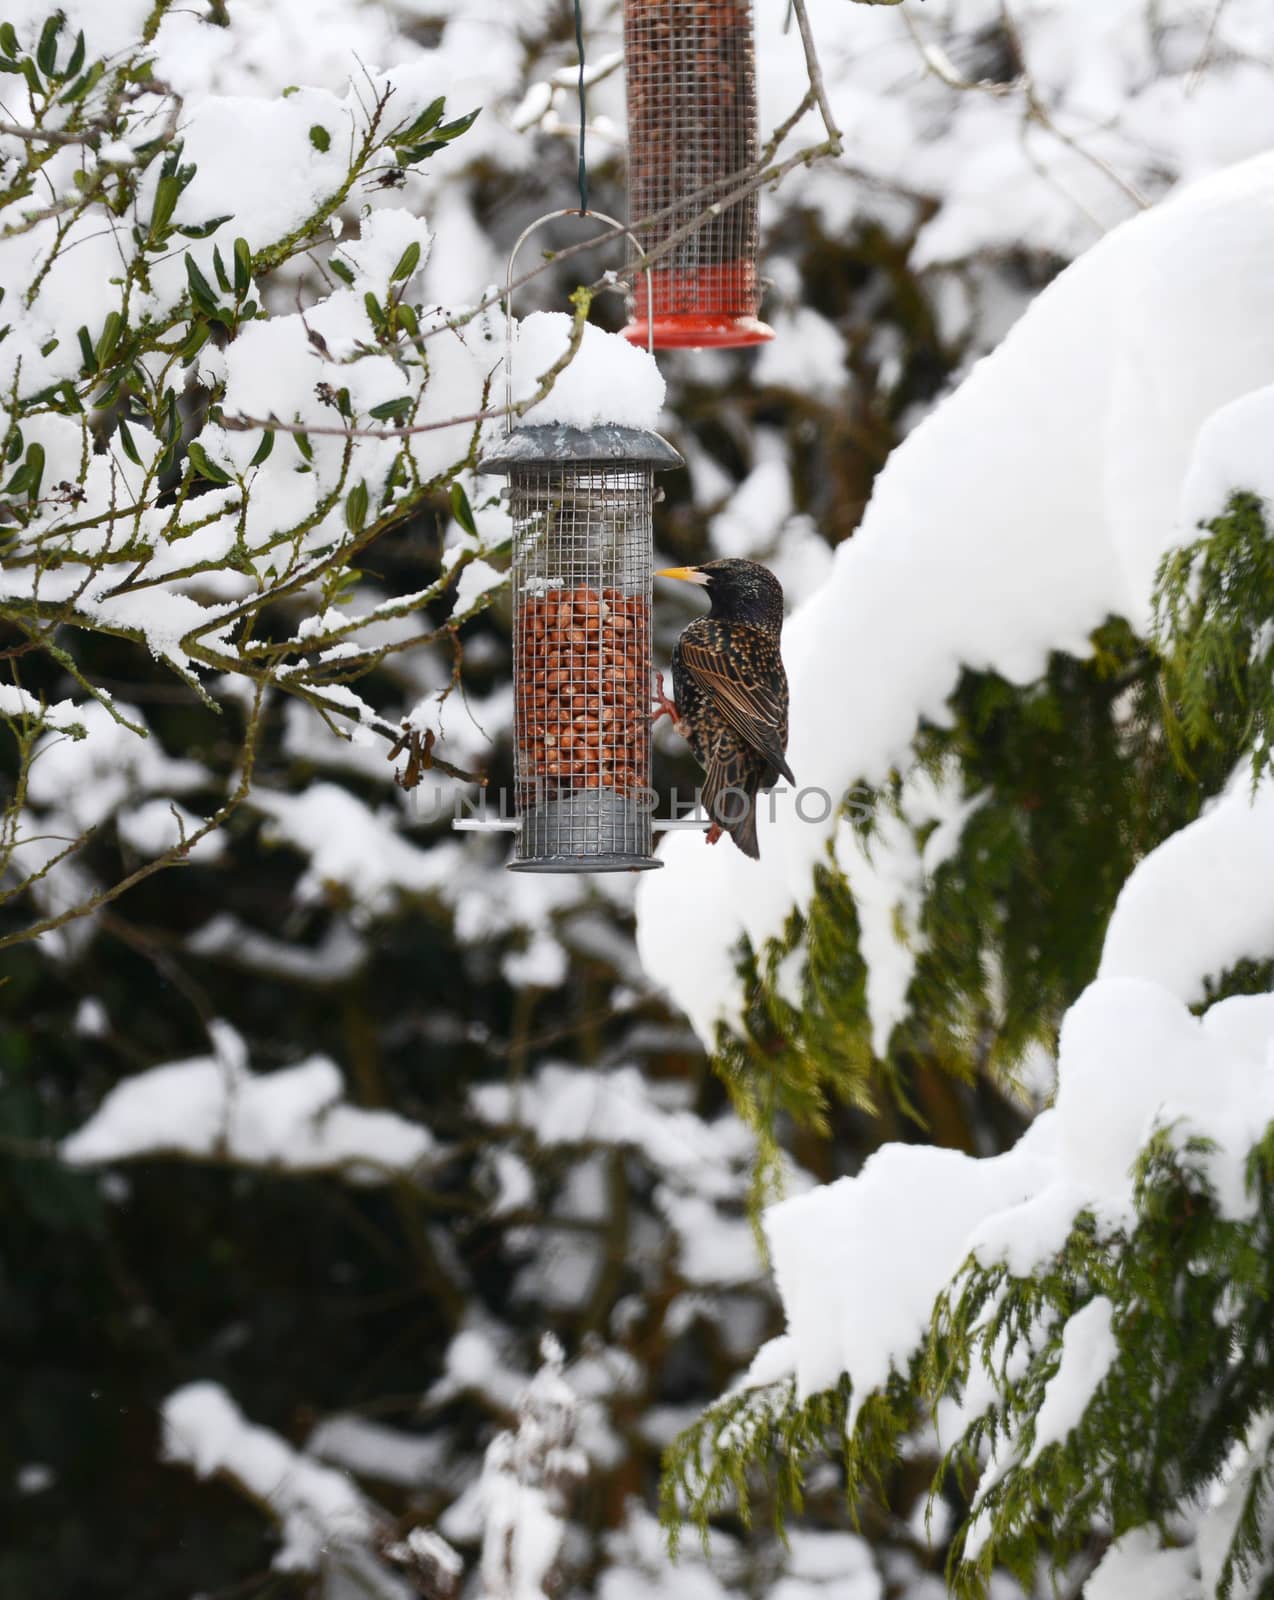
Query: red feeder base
(701,308)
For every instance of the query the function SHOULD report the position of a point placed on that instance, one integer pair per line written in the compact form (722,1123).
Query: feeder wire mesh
(581,503)
(692,128)
(582,597)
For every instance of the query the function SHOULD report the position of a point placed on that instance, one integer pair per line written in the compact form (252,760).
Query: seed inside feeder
(582,684)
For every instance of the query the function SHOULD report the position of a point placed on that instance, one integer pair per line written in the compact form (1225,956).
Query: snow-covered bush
(1074,832)
(148,351)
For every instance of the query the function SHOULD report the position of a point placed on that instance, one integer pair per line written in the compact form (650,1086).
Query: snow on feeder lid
(692,130)
(581,498)
(581,501)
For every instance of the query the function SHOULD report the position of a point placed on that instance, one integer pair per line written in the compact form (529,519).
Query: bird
(730,693)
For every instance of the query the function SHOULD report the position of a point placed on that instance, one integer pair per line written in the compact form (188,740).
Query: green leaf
(320,138)
(9,39)
(428,119)
(46,52)
(410,154)
(200,333)
(407,262)
(263,449)
(77,57)
(242,268)
(395,409)
(167,193)
(198,458)
(109,338)
(356,508)
(219,267)
(89,357)
(201,230)
(302,443)
(170,430)
(201,291)
(35,469)
(80,88)
(453,130)
(461,510)
(172,180)
(342,271)
(126,443)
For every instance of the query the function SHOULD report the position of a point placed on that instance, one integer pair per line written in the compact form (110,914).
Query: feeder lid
(553,444)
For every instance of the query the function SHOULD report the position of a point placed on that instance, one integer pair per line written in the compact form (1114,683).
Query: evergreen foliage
(1080,774)
(1214,602)
(1074,766)
(1190,1290)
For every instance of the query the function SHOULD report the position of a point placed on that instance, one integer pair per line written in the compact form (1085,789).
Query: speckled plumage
(731,693)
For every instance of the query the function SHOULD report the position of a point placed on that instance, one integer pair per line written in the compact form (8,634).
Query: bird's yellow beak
(686,574)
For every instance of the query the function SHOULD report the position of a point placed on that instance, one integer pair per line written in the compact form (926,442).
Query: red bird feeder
(692,129)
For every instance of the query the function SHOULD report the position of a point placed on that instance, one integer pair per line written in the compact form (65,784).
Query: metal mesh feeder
(692,128)
(581,501)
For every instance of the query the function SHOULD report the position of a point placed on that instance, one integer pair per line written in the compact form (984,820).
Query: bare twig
(815,73)
(762,178)
(168,858)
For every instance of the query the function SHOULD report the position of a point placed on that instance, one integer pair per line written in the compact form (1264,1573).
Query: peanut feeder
(581,501)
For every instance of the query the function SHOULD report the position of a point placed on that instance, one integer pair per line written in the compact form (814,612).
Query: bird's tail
(730,800)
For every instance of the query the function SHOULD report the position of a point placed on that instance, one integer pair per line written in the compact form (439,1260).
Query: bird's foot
(713,833)
(664,707)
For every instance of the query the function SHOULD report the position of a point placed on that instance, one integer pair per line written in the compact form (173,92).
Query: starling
(730,693)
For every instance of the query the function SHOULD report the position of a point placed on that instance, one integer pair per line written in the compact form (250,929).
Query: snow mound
(1012,522)
(212,1107)
(608,379)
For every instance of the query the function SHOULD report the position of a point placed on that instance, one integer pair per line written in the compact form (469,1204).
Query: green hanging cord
(583,169)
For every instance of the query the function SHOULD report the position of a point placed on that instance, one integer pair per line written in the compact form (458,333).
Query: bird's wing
(729,791)
(739,667)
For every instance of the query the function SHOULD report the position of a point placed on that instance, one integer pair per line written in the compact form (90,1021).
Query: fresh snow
(314,1505)
(1088,1351)
(213,1108)
(993,566)
(608,379)
(1189,910)
(1137,1564)
(860,1262)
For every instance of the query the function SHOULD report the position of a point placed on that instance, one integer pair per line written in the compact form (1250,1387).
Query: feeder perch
(581,501)
(692,128)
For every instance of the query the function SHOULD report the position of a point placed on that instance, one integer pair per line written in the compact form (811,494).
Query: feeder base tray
(587,830)
(699,330)
(586,864)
